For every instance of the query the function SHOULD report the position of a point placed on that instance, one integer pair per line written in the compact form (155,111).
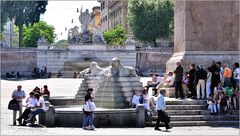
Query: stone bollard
(48,117)
(140,116)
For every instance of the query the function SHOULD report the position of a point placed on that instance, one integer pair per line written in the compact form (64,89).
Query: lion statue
(118,70)
(95,70)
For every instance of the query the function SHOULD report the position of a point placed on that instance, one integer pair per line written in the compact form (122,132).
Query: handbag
(13,105)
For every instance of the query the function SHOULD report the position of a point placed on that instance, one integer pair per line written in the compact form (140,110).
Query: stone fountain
(113,86)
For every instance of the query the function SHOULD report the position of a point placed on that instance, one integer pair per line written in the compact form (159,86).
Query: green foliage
(115,36)
(151,19)
(24,12)
(61,44)
(33,33)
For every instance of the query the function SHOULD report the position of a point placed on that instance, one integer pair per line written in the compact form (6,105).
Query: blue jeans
(88,120)
(38,111)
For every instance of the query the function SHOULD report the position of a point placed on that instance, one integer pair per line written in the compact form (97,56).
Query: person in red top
(45,90)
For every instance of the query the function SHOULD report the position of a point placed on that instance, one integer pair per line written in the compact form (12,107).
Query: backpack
(13,105)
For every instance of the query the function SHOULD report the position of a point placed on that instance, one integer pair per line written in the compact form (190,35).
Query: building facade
(114,13)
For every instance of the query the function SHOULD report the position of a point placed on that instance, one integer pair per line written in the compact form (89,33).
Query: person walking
(178,80)
(161,107)
(19,95)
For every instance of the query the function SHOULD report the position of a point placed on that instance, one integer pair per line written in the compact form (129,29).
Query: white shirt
(236,74)
(89,106)
(159,79)
(135,100)
(160,104)
(41,101)
(146,104)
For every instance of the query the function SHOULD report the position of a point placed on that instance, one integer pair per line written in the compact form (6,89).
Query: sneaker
(168,128)
(85,128)
(91,128)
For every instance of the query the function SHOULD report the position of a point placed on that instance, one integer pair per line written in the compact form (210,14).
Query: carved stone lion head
(115,63)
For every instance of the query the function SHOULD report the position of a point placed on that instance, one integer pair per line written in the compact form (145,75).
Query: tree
(61,44)
(24,12)
(33,33)
(151,19)
(115,36)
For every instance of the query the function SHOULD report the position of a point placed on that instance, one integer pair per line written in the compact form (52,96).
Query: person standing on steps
(162,114)
(178,80)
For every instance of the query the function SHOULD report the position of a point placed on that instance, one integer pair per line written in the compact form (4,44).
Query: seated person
(40,105)
(229,94)
(222,103)
(168,82)
(135,99)
(45,91)
(146,98)
(219,87)
(29,102)
(156,79)
(212,105)
(235,99)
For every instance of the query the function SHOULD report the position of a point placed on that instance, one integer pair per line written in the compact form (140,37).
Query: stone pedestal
(113,92)
(205,31)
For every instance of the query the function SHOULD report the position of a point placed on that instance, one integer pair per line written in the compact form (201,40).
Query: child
(89,108)
(229,92)
(211,105)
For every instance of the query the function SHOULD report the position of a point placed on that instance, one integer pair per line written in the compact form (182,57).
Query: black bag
(13,105)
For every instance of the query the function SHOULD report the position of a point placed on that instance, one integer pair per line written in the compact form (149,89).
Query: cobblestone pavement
(69,87)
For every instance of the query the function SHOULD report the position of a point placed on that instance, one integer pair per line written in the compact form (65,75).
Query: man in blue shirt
(160,107)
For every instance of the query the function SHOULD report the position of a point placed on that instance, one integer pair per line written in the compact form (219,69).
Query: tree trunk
(154,41)
(20,35)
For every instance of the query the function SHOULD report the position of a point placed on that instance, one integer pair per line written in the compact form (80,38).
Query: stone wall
(77,58)
(153,60)
(18,60)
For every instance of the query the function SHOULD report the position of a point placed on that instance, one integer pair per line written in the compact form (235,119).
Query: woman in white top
(236,75)
(40,105)
(209,80)
(146,99)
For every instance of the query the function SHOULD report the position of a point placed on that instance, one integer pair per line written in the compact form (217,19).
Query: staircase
(190,112)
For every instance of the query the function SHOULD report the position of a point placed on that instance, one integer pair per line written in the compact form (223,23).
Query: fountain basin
(72,116)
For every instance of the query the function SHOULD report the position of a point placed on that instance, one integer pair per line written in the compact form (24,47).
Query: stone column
(140,117)
(48,118)
(205,31)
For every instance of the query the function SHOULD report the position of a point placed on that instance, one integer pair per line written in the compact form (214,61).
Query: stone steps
(197,112)
(201,117)
(186,107)
(186,102)
(190,112)
(197,123)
